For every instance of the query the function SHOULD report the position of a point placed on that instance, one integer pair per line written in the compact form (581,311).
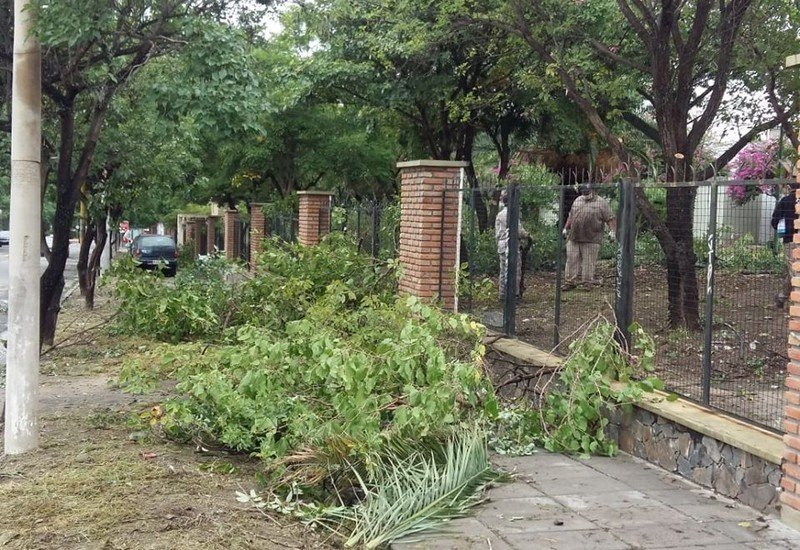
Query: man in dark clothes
(783,218)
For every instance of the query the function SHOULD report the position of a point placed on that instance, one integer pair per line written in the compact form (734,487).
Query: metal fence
(284,225)
(730,354)
(374,227)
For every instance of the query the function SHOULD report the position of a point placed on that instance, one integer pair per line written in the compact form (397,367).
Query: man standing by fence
(783,218)
(585,224)
(501,234)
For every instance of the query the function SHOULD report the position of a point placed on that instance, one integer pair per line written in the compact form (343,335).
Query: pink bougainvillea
(754,162)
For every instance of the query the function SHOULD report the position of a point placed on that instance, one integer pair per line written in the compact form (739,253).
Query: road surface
(70,277)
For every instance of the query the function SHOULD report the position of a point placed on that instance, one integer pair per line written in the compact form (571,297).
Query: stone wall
(700,458)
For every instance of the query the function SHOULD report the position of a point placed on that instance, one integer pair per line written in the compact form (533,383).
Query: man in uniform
(501,234)
(589,216)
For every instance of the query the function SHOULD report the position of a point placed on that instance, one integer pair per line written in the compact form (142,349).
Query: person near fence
(589,216)
(501,234)
(783,218)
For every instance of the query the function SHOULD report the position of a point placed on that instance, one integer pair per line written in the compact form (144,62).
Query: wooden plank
(527,353)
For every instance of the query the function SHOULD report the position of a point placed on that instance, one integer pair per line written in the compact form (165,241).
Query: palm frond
(419,490)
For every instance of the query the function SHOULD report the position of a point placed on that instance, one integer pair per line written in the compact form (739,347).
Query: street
(70,277)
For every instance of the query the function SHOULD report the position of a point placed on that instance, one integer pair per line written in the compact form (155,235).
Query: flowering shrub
(754,162)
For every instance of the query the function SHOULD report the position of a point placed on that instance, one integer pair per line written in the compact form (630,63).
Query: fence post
(358,228)
(229,223)
(626,248)
(376,227)
(428,239)
(314,215)
(510,306)
(708,329)
(559,266)
(472,249)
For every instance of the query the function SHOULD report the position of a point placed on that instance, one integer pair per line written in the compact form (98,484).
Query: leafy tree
(444,81)
(302,137)
(91,50)
(681,58)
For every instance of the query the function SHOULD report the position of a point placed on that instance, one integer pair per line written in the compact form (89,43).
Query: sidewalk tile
(616,499)
(594,539)
(620,518)
(514,489)
(579,484)
(671,535)
(459,534)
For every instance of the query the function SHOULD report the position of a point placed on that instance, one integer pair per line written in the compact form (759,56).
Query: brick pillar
(258,231)
(229,223)
(429,210)
(197,233)
(315,216)
(790,482)
(211,234)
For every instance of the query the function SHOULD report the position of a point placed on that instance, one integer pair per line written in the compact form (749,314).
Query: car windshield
(155,241)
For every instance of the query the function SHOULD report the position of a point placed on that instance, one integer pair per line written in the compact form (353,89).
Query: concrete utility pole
(22,367)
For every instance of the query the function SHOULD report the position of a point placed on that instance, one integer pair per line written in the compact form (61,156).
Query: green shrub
(542,256)
(186,256)
(190,308)
(363,375)
(648,250)
(573,414)
(744,255)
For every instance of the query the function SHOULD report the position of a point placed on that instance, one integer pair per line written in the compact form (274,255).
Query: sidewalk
(603,503)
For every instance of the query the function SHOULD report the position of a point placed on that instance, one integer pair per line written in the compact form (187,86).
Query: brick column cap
(433,163)
(312,192)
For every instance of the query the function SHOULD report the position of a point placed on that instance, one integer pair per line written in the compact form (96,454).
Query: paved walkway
(605,503)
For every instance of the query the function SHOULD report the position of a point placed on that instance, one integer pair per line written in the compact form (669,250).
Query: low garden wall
(704,459)
(734,458)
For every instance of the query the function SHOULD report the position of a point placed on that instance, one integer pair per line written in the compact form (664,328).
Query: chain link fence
(714,305)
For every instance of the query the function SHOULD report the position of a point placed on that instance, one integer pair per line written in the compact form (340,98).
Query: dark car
(155,251)
(5,237)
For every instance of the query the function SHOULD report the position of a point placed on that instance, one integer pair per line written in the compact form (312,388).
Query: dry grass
(91,485)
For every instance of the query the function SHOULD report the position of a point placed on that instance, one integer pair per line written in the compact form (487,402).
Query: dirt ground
(102,480)
(748,343)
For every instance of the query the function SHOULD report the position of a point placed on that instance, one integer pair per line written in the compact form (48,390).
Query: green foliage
(744,255)
(483,251)
(538,191)
(186,256)
(192,307)
(417,489)
(478,289)
(543,254)
(274,392)
(648,251)
(597,375)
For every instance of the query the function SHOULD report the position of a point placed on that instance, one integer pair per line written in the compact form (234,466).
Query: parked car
(155,251)
(5,237)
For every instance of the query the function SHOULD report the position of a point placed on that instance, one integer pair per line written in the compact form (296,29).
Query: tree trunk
(682,284)
(465,153)
(677,241)
(101,236)
(83,256)
(52,281)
